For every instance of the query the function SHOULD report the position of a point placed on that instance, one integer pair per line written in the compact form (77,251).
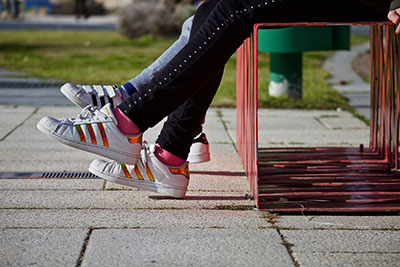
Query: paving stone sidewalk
(88,222)
(48,218)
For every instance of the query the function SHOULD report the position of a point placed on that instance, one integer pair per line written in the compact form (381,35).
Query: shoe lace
(146,151)
(87,112)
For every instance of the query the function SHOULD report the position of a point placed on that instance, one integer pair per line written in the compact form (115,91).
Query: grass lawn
(109,58)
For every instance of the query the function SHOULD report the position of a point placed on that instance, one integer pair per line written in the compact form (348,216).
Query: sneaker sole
(102,151)
(66,90)
(198,158)
(145,185)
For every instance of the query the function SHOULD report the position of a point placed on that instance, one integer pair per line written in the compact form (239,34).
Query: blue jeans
(147,74)
(185,87)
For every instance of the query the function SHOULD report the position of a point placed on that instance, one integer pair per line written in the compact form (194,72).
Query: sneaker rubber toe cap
(48,124)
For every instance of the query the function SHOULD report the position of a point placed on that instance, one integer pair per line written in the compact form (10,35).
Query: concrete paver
(208,181)
(182,247)
(345,241)
(128,218)
(339,222)
(41,247)
(217,202)
(51,184)
(12,117)
(347,259)
(346,81)
(344,247)
(337,123)
(118,199)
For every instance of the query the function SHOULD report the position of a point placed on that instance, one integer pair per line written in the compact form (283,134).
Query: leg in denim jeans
(147,74)
(185,78)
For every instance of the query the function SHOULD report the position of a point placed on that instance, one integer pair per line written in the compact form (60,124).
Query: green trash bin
(286,46)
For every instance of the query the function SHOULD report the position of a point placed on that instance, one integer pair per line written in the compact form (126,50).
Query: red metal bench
(326,179)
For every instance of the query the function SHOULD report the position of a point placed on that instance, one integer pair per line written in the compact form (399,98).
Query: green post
(285,77)
(286,46)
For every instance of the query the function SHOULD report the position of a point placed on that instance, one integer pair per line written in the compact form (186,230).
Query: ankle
(124,123)
(167,157)
(129,88)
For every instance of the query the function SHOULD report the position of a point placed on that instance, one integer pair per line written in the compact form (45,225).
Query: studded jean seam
(215,41)
(225,16)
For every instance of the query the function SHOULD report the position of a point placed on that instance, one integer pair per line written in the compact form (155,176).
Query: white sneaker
(149,174)
(95,131)
(95,95)
(100,95)
(200,149)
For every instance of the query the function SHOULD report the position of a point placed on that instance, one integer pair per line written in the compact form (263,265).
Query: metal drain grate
(26,83)
(47,175)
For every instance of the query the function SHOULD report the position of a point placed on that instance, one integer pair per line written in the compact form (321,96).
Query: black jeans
(184,88)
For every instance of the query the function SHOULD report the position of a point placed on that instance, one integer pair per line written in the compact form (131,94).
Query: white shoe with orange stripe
(149,174)
(95,131)
(100,95)
(95,95)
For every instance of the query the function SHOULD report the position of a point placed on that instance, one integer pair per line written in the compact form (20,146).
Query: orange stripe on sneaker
(184,170)
(136,139)
(81,134)
(103,134)
(138,174)
(92,135)
(151,177)
(125,170)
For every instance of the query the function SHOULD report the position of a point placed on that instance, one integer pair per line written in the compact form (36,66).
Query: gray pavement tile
(51,184)
(226,112)
(224,158)
(344,241)
(115,199)
(228,120)
(57,112)
(347,259)
(11,117)
(151,135)
(47,96)
(192,247)
(289,122)
(339,222)
(117,218)
(28,133)
(312,138)
(224,172)
(336,122)
(10,73)
(294,128)
(217,135)
(218,182)
(213,128)
(52,165)
(35,157)
(359,99)
(40,247)
(365,112)
(295,112)
(340,67)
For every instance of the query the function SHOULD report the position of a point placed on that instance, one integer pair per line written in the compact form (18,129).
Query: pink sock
(167,157)
(124,124)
